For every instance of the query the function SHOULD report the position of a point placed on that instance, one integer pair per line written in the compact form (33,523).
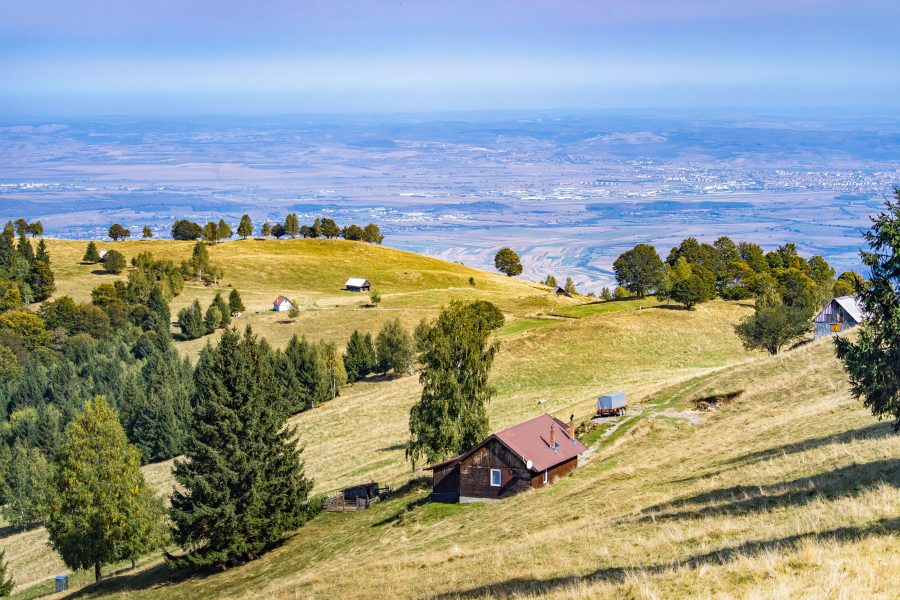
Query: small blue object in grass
(62,583)
(613,403)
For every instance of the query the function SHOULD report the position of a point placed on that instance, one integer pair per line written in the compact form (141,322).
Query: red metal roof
(280,299)
(531,441)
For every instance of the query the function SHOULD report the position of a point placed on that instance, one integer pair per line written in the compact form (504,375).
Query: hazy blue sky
(65,57)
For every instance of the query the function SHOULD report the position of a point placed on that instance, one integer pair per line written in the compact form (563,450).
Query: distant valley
(569,191)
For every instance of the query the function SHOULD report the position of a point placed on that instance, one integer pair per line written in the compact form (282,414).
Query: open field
(789,490)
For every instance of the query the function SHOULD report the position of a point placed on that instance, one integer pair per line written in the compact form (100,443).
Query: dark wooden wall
(560,470)
(446,483)
(475,472)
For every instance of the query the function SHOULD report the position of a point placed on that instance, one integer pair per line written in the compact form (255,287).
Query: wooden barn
(561,291)
(840,314)
(529,455)
(357,284)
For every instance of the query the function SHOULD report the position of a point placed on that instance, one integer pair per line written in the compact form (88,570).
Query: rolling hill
(786,488)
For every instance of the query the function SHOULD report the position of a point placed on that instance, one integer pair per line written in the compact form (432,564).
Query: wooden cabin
(561,291)
(357,284)
(841,314)
(529,455)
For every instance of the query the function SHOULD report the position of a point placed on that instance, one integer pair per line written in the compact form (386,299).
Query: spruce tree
(7,245)
(241,487)
(303,376)
(99,493)
(42,254)
(360,359)
(872,358)
(91,255)
(213,318)
(451,415)
(190,320)
(25,486)
(25,249)
(6,585)
(224,309)
(235,303)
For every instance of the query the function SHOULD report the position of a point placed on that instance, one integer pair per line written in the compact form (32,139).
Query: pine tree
(7,245)
(25,249)
(451,415)
(190,320)
(25,486)
(42,254)
(213,318)
(394,346)
(6,585)
(159,308)
(99,493)
(91,255)
(211,233)
(266,229)
(570,286)
(241,487)
(302,375)
(224,309)
(235,303)
(292,225)
(360,359)
(224,230)
(147,233)
(245,227)
(870,358)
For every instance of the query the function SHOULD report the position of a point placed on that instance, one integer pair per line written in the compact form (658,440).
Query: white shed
(357,284)
(281,304)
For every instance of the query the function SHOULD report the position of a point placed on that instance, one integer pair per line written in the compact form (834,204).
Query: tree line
(184,229)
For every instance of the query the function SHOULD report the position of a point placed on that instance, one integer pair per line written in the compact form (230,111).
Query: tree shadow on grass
(417,485)
(392,447)
(871,431)
(742,499)
(158,576)
(524,587)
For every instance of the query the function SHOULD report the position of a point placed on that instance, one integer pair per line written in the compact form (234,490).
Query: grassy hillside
(782,492)
(789,490)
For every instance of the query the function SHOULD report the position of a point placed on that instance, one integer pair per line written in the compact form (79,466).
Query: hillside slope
(788,490)
(556,355)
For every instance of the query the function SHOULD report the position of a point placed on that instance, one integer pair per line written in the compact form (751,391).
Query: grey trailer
(613,403)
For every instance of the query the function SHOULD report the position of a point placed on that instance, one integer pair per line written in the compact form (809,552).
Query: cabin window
(495,477)
(545,476)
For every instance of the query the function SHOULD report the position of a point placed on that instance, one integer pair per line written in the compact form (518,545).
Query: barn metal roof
(853,307)
(356,282)
(531,441)
(281,299)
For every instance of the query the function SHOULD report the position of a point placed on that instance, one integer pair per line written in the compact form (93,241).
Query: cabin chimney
(572,428)
(552,437)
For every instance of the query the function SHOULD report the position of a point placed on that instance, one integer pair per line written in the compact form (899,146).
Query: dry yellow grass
(789,491)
